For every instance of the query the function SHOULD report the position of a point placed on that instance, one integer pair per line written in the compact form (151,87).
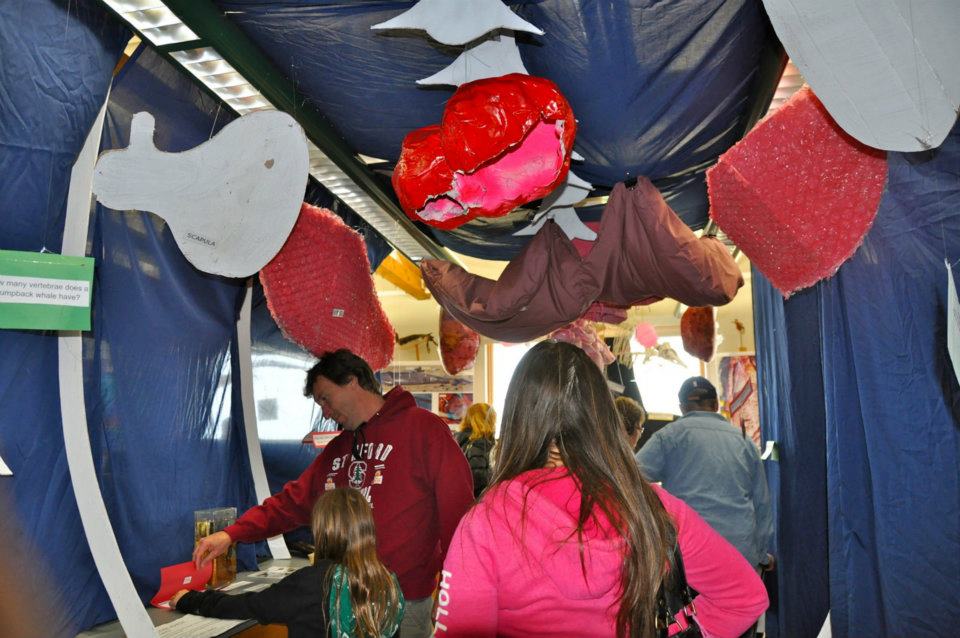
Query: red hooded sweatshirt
(492,584)
(411,471)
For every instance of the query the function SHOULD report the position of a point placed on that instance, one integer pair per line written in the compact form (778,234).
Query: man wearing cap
(704,460)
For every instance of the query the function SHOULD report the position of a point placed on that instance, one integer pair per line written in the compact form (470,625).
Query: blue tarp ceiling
(659,88)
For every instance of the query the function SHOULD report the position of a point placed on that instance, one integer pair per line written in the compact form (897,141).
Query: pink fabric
(582,334)
(494,584)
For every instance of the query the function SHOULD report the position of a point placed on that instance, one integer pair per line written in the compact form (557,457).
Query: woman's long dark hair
(558,395)
(344,533)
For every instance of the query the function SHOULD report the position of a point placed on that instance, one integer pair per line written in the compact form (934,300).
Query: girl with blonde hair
(346,593)
(476,440)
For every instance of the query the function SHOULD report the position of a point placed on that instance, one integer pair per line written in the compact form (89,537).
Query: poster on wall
(426,378)
(453,405)
(738,380)
(44,291)
(424,400)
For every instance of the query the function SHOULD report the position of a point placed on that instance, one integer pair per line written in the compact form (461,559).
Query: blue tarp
(57,58)
(659,88)
(790,377)
(893,411)
(869,424)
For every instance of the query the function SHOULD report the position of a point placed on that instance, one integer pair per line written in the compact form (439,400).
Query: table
(246,629)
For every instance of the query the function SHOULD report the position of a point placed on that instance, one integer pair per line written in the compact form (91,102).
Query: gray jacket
(702,459)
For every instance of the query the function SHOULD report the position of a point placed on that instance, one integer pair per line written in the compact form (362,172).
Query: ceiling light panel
(192,56)
(126,6)
(154,20)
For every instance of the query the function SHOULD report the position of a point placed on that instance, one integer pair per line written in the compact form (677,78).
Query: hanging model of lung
(458,344)
(502,142)
(698,329)
(230,202)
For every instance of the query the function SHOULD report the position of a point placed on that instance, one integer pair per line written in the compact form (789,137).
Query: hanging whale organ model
(230,202)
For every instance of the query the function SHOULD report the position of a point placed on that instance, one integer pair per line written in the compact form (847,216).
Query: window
(660,378)
(506,356)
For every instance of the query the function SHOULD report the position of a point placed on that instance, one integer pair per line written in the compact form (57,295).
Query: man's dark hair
(339,366)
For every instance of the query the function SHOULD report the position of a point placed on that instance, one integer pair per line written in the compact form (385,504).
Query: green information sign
(43,291)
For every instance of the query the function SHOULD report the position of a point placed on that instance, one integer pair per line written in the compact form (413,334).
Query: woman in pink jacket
(569,540)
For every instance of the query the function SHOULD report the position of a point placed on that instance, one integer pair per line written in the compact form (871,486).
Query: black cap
(697,389)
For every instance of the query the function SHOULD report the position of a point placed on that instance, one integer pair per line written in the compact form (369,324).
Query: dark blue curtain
(789,374)
(869,422)
(165,417)
(57,62)
(893,411)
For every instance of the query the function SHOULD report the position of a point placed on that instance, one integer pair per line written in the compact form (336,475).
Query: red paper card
(181,576)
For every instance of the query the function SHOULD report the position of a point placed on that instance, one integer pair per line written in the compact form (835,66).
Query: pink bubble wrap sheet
(320,291)
(797,194)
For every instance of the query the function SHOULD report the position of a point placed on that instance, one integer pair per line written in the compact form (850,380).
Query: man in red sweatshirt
(401,457)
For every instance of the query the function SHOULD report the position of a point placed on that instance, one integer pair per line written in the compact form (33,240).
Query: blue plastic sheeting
(789,374)
(659,88)
(57,58)
(165,417)
(279,372)
(893,411)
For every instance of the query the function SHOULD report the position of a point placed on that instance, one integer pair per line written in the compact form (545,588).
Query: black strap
(675,597)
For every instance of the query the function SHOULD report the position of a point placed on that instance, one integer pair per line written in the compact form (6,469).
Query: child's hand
(177,596)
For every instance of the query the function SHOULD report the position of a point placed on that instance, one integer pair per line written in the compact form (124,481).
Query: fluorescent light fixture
(154,20)
(193,56)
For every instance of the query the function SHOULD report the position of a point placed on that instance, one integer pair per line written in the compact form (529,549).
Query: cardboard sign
(230,202)
(886,69)
(44,291)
